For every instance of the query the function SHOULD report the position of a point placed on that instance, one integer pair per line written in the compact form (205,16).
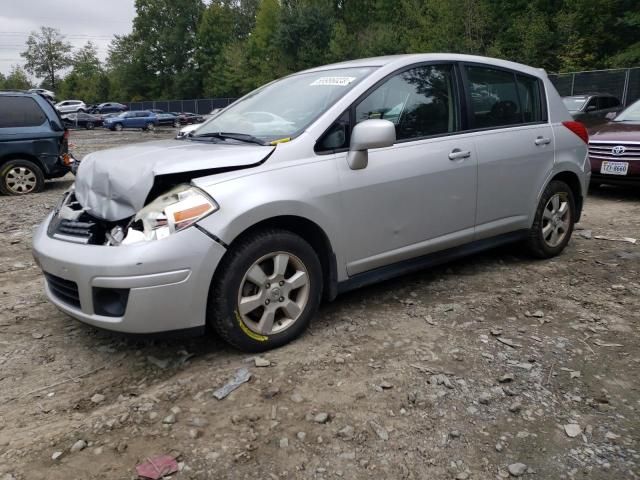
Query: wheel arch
(573,181)
(312,233)
(23,156)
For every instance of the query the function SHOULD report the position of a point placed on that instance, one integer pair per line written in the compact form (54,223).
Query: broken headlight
(175,210)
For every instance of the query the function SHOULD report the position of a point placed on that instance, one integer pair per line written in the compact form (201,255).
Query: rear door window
(494,97)
(20,112)
(530,93)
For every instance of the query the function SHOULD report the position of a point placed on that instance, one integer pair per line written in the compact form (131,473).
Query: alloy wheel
(273,293)
(556,220)
(21,180)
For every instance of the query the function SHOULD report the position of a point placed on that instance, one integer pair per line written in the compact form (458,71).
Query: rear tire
(149,127)
(89,126)
(266,290)
(553,222)
(20,177)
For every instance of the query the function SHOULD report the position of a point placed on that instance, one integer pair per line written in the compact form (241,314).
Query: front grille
(64,290)
(77,228)
(604,151)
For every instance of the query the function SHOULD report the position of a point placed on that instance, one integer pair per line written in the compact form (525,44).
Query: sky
(78,20)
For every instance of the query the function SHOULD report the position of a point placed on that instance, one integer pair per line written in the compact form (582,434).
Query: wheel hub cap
(20,180)
(556,220)
(273,293)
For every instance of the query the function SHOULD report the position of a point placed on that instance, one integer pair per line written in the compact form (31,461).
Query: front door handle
(542,141)
(457,154)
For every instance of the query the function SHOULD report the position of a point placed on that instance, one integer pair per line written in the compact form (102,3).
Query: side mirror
(366,135)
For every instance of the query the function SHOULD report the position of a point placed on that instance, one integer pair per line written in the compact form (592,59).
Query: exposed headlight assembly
(175,210)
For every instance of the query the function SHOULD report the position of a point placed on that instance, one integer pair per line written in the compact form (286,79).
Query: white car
(44,92)
(71,106)
(184,131)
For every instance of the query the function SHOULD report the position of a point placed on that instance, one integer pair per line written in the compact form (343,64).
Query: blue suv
(143,119)
(33,143)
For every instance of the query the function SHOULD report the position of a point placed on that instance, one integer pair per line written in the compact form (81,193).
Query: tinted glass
(574,104)
(494,98)
(419,102)
(529,91)
(337,136)
(631,114)
(20,112)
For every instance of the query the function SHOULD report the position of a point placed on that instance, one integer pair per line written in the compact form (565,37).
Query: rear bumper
(165,283)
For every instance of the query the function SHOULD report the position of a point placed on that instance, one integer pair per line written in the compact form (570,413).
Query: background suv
(33,143)
(143,119)
(592,109)
(71,106)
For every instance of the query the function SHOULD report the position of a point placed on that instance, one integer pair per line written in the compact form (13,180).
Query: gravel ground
(494,366)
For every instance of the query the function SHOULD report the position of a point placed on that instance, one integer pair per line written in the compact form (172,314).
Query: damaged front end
(180,207)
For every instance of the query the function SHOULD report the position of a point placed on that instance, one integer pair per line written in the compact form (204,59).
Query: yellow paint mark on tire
(248,332)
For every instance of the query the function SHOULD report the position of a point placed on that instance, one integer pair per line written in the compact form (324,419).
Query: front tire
(118,127)
(89,126)
(554,221)
(267,289)
(21,177)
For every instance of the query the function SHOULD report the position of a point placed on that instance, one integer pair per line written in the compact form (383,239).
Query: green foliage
(16,80)
(47,53)
(194,48)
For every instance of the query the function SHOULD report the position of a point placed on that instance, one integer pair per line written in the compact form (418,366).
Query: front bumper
(632,176)
(166,281)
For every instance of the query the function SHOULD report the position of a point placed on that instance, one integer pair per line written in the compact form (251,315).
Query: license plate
(614,168)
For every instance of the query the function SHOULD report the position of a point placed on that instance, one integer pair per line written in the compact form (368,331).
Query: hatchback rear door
(514,144)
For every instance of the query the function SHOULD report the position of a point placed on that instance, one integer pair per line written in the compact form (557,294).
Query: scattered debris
(379,430)
(261,362)
(157,467)
(616,239)
(572,430)
(508,342)
(241,376)
(161,363)
(517,469)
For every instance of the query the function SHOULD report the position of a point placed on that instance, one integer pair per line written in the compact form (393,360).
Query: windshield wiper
(241,137)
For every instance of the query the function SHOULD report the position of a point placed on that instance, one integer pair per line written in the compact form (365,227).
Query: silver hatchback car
(314,184)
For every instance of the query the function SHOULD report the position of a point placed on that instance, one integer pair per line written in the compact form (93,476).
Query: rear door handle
(457,154)
(542,141)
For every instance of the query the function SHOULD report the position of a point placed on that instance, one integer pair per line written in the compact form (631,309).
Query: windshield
(574,104)
(630,114)
(285,107)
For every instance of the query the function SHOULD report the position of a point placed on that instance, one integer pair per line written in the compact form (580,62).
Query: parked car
(48,94)
(109,107)
(185,131)
(614,150)
(187,118)
(167,119)
(592,109)
(81,120)
(33,143)
(71,106)
(143,119)
(246,230)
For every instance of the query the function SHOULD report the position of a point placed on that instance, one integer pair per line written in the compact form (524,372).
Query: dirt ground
(461,372)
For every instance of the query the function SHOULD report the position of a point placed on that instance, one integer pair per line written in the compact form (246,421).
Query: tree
(47,53)
(87,80)
(215,32)
(17,79)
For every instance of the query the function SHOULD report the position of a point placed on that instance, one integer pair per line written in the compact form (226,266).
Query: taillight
(579,129)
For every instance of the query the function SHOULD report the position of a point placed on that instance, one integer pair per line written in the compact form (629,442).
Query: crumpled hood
(114,184)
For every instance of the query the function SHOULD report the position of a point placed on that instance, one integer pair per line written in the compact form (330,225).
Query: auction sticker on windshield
(333,81)
(614,168)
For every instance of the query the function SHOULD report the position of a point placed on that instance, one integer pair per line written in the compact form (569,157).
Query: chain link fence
(623,83)
(201,106)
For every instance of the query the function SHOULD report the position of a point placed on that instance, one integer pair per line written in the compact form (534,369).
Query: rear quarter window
(20,112)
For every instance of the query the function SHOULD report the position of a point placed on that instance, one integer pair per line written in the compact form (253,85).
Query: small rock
(198,422)
(321,417)
(386,385)
(301,436)
(37,335)
(121,447)
(98,398)
(284,442)
(79,445)
(499,447)
(261,362)
(296,398)
(380,431)
(484,398)
(271,392)
(195,433)
(506,378)
(176,410)
(515,407)
(56,456)
(98,451)
(517,469)
(339,360)
(536,314)
(161,363)
(454,434)
(346,432)
(612,437)
(462,476)
(169,419)
(348,455)
(572,430)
